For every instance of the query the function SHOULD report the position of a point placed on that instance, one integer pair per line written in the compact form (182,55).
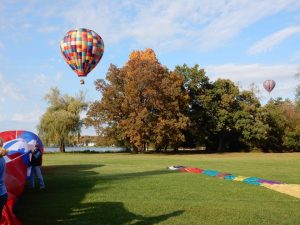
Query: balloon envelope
(17,142)
(82,49)
(269,85)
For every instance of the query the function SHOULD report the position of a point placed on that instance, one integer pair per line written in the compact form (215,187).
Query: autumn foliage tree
(142,103)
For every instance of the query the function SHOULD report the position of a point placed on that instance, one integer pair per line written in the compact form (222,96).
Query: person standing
(3,191)
(36,162)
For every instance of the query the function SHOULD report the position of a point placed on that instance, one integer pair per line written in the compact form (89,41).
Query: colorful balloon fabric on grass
(226,176)
(289,189)
(82,49)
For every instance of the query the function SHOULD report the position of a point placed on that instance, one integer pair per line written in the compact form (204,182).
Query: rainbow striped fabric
(289,189)
(226,176)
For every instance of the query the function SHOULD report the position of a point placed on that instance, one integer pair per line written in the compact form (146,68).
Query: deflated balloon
(82,49)
(269,85)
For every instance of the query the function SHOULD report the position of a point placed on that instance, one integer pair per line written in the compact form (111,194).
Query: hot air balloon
(18,143)
(269,85)
(82,49)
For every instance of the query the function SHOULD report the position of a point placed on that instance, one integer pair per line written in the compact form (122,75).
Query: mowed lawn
(120,188)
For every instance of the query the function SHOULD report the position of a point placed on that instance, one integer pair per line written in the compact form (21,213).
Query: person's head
(36,146)
(1,142)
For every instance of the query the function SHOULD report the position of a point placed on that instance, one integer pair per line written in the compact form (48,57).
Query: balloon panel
(82,50)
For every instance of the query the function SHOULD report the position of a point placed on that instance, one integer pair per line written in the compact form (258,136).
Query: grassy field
(119,189)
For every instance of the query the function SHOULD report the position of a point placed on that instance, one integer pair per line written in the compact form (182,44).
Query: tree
(277,122)
(196,84)
(232,117)
(62,118)
(221,116)
(221,103)
(142,103)
(105,115)
(248,120)
(291,139)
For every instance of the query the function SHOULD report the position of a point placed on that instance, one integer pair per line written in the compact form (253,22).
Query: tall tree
(196,84)
(291,139)
(283,120)
(141,103)
(248,120)
(233,117)
(221,103)
(276,121)
(62,118)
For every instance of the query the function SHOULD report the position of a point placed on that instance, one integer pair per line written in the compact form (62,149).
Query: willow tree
(62,118)
(141,103)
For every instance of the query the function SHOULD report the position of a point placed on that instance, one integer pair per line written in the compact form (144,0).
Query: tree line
(145,105)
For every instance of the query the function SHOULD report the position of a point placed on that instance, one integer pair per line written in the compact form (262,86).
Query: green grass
(119,189)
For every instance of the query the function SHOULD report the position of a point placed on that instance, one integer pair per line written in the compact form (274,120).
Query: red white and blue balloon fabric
(269,85)
(18,143)
(82,49)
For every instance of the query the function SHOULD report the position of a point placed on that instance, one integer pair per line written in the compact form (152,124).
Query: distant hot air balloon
(82,49)
(269,85)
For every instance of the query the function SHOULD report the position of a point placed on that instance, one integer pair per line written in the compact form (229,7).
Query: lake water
(86,149)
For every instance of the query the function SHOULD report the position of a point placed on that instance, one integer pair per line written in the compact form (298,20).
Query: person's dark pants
(3,200)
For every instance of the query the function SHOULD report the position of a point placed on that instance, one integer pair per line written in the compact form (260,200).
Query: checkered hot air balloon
(82,49)
(269,85)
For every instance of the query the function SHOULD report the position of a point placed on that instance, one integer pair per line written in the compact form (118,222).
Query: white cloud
(48,29)
(32,116)
(295,57)
(11,125)
(234,16)
(201,25)
(27,25)
(53,42)
(8,90)
(58,76)
(244,75)
(160,24)
(274,39)
(40,79)
(2,117)
(252,71)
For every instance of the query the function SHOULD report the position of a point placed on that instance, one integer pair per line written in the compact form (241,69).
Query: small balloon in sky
(82,49)
(269,85)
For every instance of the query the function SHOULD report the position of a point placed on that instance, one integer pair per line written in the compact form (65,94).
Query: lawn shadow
(61,203)
(136,175)
(112,213)
(66,186)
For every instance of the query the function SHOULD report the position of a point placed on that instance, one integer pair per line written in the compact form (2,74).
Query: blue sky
(247,41)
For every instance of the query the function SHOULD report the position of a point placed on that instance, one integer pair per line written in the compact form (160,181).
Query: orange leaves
(145,100)
(147,55)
